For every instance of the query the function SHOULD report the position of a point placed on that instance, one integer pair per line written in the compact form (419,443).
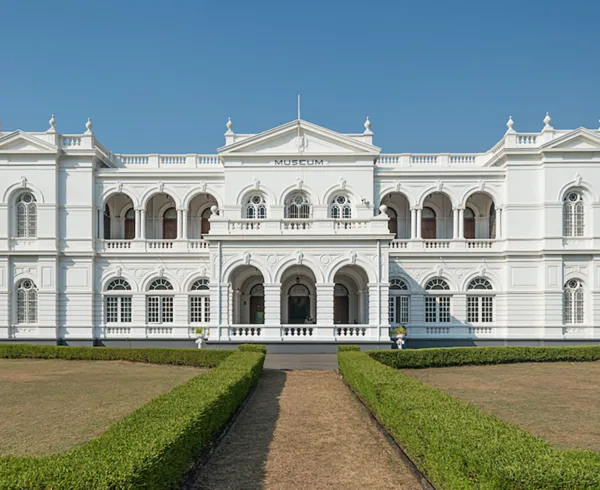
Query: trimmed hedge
(457,445)
(182,357)
(253,348)
(348,348)
(152,447)
(463,356)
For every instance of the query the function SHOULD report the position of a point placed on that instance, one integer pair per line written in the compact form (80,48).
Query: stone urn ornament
(400,337)
(201,337)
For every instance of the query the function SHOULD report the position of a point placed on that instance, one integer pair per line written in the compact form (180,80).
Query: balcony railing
(419,245)
(151,245)
(325,226)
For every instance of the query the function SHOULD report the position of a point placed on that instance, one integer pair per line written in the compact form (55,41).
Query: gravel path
(304,430)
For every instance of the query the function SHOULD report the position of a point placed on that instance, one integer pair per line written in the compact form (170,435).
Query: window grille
(340,207)
(480,309)
(437,308)
(160,285)
(256,207)
(199,302)
(297,207)
(160,309)
(26,216)
(399,303)
(27,302)
(573,302)
(117,307)
(573,215)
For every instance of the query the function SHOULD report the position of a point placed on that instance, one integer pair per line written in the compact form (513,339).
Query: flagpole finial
(298,107)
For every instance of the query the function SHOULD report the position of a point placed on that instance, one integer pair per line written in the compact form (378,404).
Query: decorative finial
(89,126)
(368,126)
(383,209)
(547,121)
(229,125)
(52,123)
(214,209)
(510,123)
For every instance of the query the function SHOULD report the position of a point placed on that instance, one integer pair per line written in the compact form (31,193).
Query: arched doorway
(119,218)
(247,306)
(437,218)
(469,223)
(480,217)
(169,223)
(199,214)
(341,305)
(130,224)
(399,215)
(350,296)
(428,224)
(298,296)
(298,304)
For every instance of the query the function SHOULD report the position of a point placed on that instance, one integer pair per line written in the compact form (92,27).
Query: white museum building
(300,236)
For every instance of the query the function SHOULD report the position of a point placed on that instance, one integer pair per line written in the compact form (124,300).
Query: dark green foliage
(457,445)
(153,447)
(253,348)
(463,356)
(348,348)
(182,357)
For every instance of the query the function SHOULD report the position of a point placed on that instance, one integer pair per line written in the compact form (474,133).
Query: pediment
(20,142)
(580,139)
(299,137)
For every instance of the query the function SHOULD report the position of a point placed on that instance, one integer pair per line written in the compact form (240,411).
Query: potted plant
(201,336)
(400,336)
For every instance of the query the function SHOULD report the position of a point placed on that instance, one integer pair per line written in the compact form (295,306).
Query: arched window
(159,308)
(200,302)
(129,231)
(117,301)
(27,302)
(399,302)
(170,224)
(437,306)
(480,306)
(340,207)
(297,206)
(573,302)
(256,207)
(26,216)
(573,215)
(428,224)
(469,223)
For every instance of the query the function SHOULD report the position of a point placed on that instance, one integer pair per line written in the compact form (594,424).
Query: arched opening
(298,296)
(119,218)
(340,207)
(399,213)
(161,218)
(255,206)
(248,305)
(573,214)
(437,217)
(297,206)
(350,296)
(199,214)
(480,217)
(26,219)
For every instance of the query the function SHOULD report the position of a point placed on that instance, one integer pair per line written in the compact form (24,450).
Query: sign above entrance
(299,162)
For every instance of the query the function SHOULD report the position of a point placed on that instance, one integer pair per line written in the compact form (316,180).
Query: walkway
(301,361)
(304,430)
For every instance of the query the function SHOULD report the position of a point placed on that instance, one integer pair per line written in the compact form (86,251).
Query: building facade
(300,235)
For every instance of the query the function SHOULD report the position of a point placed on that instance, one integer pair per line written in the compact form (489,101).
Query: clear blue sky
(432,75)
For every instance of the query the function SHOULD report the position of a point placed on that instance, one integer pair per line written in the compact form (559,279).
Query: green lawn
(48,406)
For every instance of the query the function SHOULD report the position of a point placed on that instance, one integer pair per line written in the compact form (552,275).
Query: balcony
(119,247)
(402,246)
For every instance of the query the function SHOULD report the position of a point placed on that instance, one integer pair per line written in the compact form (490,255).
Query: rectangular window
(487,309)
(392,309)
(112,309)
(199,309)
(437,309)
(153,309)
(125,309)
(167,309)
(472,309)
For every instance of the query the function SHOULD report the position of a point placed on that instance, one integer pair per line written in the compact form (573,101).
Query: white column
(179,224)
(456,220)
(413,223)
(361,306)
(461,223)
(418,229)
(273,309)
(184,220)
(143,224)
(325,304)
(138,224)
(101,224)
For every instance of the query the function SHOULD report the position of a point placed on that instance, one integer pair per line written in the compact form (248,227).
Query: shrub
(253,348)
(462,356)
(348,348)
(152,447)
(457,445)
(183,357)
